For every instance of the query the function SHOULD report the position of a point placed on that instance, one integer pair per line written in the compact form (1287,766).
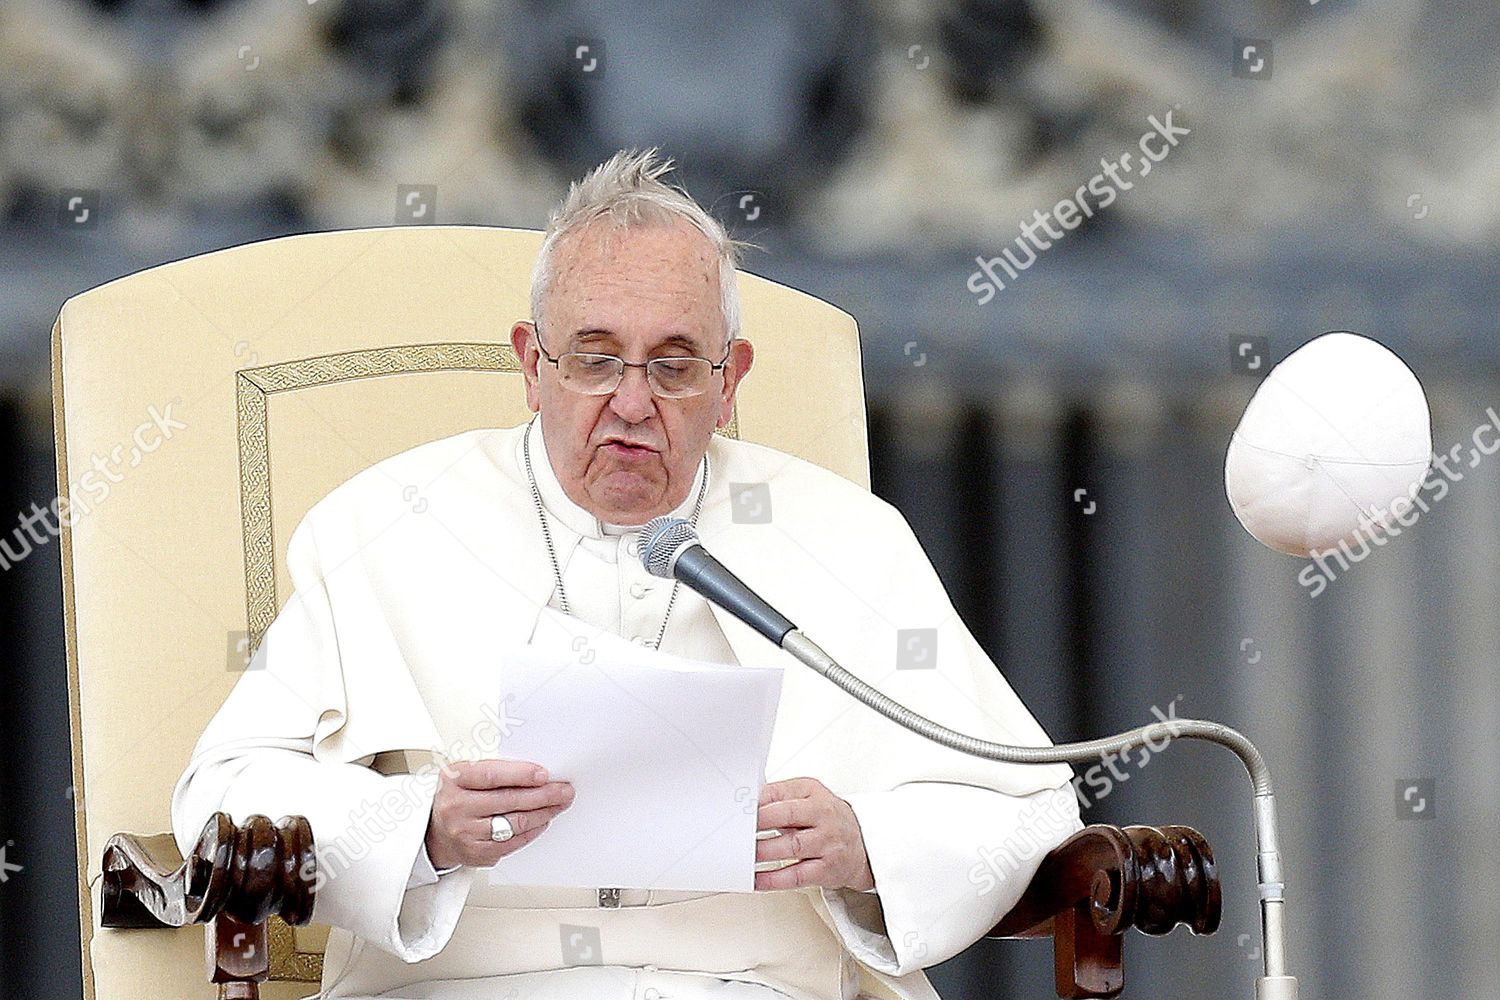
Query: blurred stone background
(1339,172)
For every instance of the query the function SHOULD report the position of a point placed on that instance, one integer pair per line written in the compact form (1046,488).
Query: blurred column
(15,901)
(1026,486)
(1460,724)
(919,470)
(39,935)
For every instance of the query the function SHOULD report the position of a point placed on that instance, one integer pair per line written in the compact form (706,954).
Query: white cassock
(390,643)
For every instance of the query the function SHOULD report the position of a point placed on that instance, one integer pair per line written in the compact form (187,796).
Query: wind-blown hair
(627,190)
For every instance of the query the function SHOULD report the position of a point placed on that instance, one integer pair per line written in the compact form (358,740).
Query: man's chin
(626,497)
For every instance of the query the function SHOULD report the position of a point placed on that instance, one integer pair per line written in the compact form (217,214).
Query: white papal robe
(410,576)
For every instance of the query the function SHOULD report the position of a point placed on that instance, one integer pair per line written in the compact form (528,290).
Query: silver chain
(541,514)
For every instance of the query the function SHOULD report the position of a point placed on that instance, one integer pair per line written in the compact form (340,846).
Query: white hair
(626,190)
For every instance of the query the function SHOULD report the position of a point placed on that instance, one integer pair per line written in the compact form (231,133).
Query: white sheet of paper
(666,756)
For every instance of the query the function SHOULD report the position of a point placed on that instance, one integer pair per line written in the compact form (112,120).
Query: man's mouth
(628,449)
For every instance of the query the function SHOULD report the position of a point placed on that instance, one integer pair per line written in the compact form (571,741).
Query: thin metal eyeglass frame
(555,362)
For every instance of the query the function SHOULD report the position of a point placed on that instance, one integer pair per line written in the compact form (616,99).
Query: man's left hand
(819,829)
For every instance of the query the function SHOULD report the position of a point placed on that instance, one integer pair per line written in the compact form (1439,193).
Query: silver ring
(500,829)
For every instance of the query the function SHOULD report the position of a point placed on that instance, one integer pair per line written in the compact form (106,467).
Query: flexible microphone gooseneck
(670,549)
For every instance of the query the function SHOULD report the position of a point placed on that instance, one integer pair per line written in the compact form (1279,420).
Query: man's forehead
(659,296)
(596,335)
(662,262)
(602,242)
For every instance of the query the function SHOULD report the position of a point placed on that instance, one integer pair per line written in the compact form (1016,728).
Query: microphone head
(662,539)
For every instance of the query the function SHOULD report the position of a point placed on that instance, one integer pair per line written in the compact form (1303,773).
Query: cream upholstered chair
(225,394)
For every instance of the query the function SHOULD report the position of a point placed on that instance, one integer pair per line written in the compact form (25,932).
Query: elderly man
(885,853)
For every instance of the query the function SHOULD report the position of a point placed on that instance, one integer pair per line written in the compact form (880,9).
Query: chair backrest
(202,406)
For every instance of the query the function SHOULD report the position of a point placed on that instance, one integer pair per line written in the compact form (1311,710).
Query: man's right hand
(470,792)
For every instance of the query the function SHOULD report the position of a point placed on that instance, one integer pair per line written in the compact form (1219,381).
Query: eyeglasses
(600,374)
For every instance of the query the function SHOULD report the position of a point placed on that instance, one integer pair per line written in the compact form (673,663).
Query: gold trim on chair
(287,963)
(253,389)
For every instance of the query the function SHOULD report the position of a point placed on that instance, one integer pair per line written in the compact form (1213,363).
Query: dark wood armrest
(236,877)
(1105,880)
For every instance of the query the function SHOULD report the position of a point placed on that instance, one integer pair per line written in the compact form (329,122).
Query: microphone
(670,549)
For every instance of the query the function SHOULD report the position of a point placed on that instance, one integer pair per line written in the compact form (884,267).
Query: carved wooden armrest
(1105,880)
(236,877)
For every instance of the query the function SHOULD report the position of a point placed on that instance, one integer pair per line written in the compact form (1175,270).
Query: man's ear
(741,357)
(523,343)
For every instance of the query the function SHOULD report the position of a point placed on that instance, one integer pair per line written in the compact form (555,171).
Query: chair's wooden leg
(238,957)
(1088,964)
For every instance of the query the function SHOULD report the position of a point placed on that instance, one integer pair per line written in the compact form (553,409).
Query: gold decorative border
(255,386)
(287,964)
(253,389)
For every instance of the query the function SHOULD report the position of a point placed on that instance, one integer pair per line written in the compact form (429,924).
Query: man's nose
(633,399)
